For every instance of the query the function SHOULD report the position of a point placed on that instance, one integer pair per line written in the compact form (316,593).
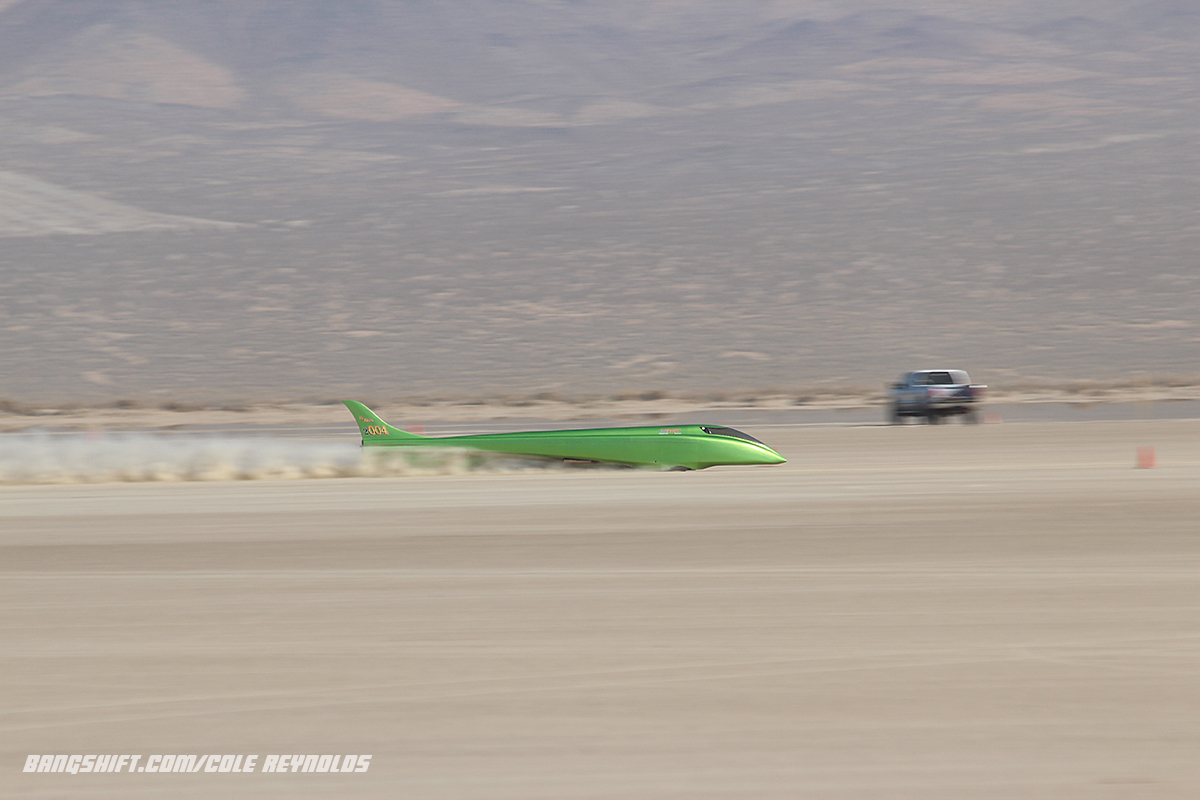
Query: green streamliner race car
(681,447)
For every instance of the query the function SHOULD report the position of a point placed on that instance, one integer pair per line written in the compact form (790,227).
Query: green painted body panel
(658,446)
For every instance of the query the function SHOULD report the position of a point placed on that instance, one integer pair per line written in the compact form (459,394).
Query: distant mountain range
(274,197)
(391,60)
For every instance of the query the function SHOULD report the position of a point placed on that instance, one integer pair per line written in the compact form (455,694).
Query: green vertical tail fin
(373,428)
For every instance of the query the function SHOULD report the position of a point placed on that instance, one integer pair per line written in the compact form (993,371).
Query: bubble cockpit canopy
(736,434)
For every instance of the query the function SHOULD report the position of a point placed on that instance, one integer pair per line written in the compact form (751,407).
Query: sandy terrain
(938,612)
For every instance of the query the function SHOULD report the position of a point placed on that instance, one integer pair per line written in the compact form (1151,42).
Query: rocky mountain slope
(206,199)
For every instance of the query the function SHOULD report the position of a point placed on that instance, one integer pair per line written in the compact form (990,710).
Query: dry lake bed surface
(941,612)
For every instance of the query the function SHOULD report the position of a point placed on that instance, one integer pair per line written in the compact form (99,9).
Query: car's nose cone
(759,454)
(766,455)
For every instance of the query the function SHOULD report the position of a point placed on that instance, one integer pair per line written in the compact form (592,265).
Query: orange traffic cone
(1145,457)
